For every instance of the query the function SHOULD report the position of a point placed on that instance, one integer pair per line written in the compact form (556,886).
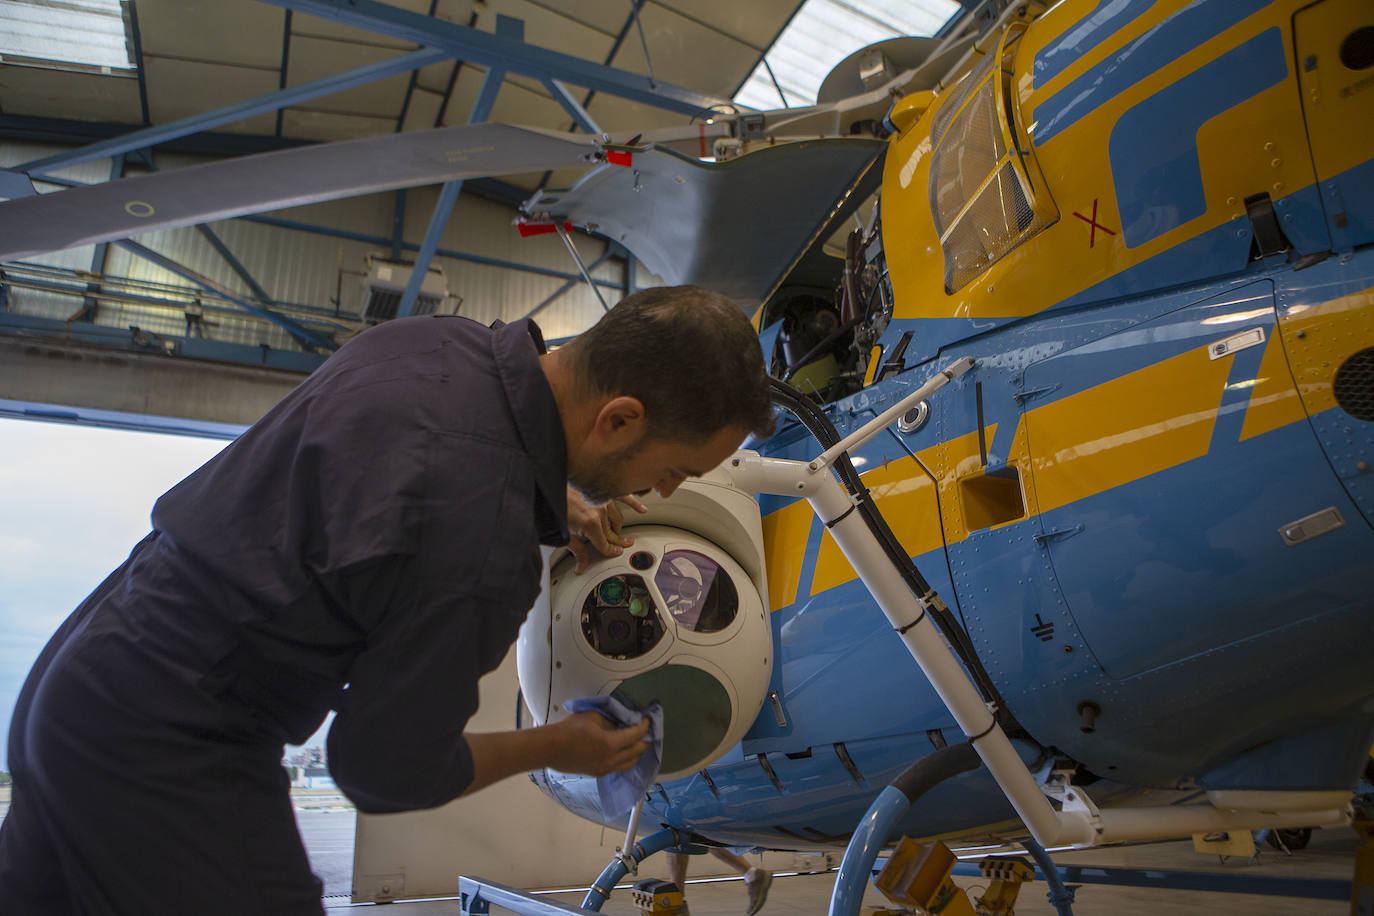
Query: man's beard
(603,483)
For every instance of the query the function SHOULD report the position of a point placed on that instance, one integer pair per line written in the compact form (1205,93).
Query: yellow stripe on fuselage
(786,532)
(1141,423)
(1273,401)
(905,494)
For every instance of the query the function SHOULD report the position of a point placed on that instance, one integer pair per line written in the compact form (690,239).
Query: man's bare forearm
(584,743)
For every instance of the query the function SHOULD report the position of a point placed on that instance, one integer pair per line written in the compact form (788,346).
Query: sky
(74,500)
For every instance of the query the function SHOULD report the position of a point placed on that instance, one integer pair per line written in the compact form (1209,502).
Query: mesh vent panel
(999,220)
(961,91)
(1354,385)
(973,145)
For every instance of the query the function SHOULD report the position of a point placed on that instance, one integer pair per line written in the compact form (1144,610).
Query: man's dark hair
(688,354)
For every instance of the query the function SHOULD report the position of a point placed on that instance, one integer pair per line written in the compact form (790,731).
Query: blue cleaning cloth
(620,791)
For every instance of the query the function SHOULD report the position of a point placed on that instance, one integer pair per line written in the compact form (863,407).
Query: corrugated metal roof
(86,33)
(825,32)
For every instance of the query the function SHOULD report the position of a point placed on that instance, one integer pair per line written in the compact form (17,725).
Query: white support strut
(885,419)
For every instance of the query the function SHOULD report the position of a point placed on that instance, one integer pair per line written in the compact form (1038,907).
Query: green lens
(612,592)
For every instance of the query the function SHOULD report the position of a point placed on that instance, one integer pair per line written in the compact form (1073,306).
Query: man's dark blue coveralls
(379,529)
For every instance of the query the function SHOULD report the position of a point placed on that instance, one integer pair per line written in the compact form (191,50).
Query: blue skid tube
(891,804)
(666,838)
(857,865)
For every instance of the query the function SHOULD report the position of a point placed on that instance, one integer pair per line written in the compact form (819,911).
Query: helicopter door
(1328,333)
(1168,462)
(1335,55)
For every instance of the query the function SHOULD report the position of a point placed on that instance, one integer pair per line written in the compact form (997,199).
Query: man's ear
(620,423)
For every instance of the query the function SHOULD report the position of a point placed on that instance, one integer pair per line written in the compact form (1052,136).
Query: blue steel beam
(610,56)
(563,96)
(437,221)
(105,336)
(494,51)
(137,38)
(16,280)
(301,333)
(196,123)
(89,304)
(113,419)
(398,224)
(13,186)
(506,27)
(234,263)
(410,83)
(285,61)
(69,132)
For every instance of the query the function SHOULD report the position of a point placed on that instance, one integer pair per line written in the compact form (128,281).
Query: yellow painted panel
(949,461)
(1273,401)
(874,364)
(905,494)
(1338,100)
(784,541)
(990,500)
(1127,428)
(1065,17)
(1318,338)
(1020,457)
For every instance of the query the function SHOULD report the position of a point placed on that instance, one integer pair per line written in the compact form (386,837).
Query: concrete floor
(1330,855)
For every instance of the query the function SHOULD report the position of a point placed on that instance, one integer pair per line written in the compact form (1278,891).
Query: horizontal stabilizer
(734,226)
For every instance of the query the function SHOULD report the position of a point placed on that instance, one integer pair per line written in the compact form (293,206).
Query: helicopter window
(699,594)
(619,619)
(980,192)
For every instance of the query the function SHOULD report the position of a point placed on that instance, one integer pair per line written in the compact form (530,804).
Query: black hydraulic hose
(819,425)
(934,768)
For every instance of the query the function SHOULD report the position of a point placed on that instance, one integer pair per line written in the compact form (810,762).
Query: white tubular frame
(1079,823)
(882,420)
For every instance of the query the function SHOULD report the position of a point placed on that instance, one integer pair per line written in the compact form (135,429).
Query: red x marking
(1092,233)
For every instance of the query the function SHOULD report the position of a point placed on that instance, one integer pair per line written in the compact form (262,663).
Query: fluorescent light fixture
(87,35)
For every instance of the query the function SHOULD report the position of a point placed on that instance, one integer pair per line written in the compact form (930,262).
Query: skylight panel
(65,34)
(825,32)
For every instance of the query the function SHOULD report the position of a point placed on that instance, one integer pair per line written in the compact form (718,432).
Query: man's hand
(588,743)
(597,527)
(583,743)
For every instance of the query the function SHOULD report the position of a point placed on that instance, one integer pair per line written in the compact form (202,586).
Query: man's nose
(666,486)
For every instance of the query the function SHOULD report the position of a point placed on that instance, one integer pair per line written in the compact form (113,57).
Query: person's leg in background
(677,873)
(756,880)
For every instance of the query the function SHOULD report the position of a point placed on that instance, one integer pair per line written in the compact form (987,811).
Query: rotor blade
(271,181)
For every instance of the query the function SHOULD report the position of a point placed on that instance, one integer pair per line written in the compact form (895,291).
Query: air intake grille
(383,304)
(1354,385)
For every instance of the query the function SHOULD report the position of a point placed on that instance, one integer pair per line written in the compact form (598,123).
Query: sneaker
(757,881)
